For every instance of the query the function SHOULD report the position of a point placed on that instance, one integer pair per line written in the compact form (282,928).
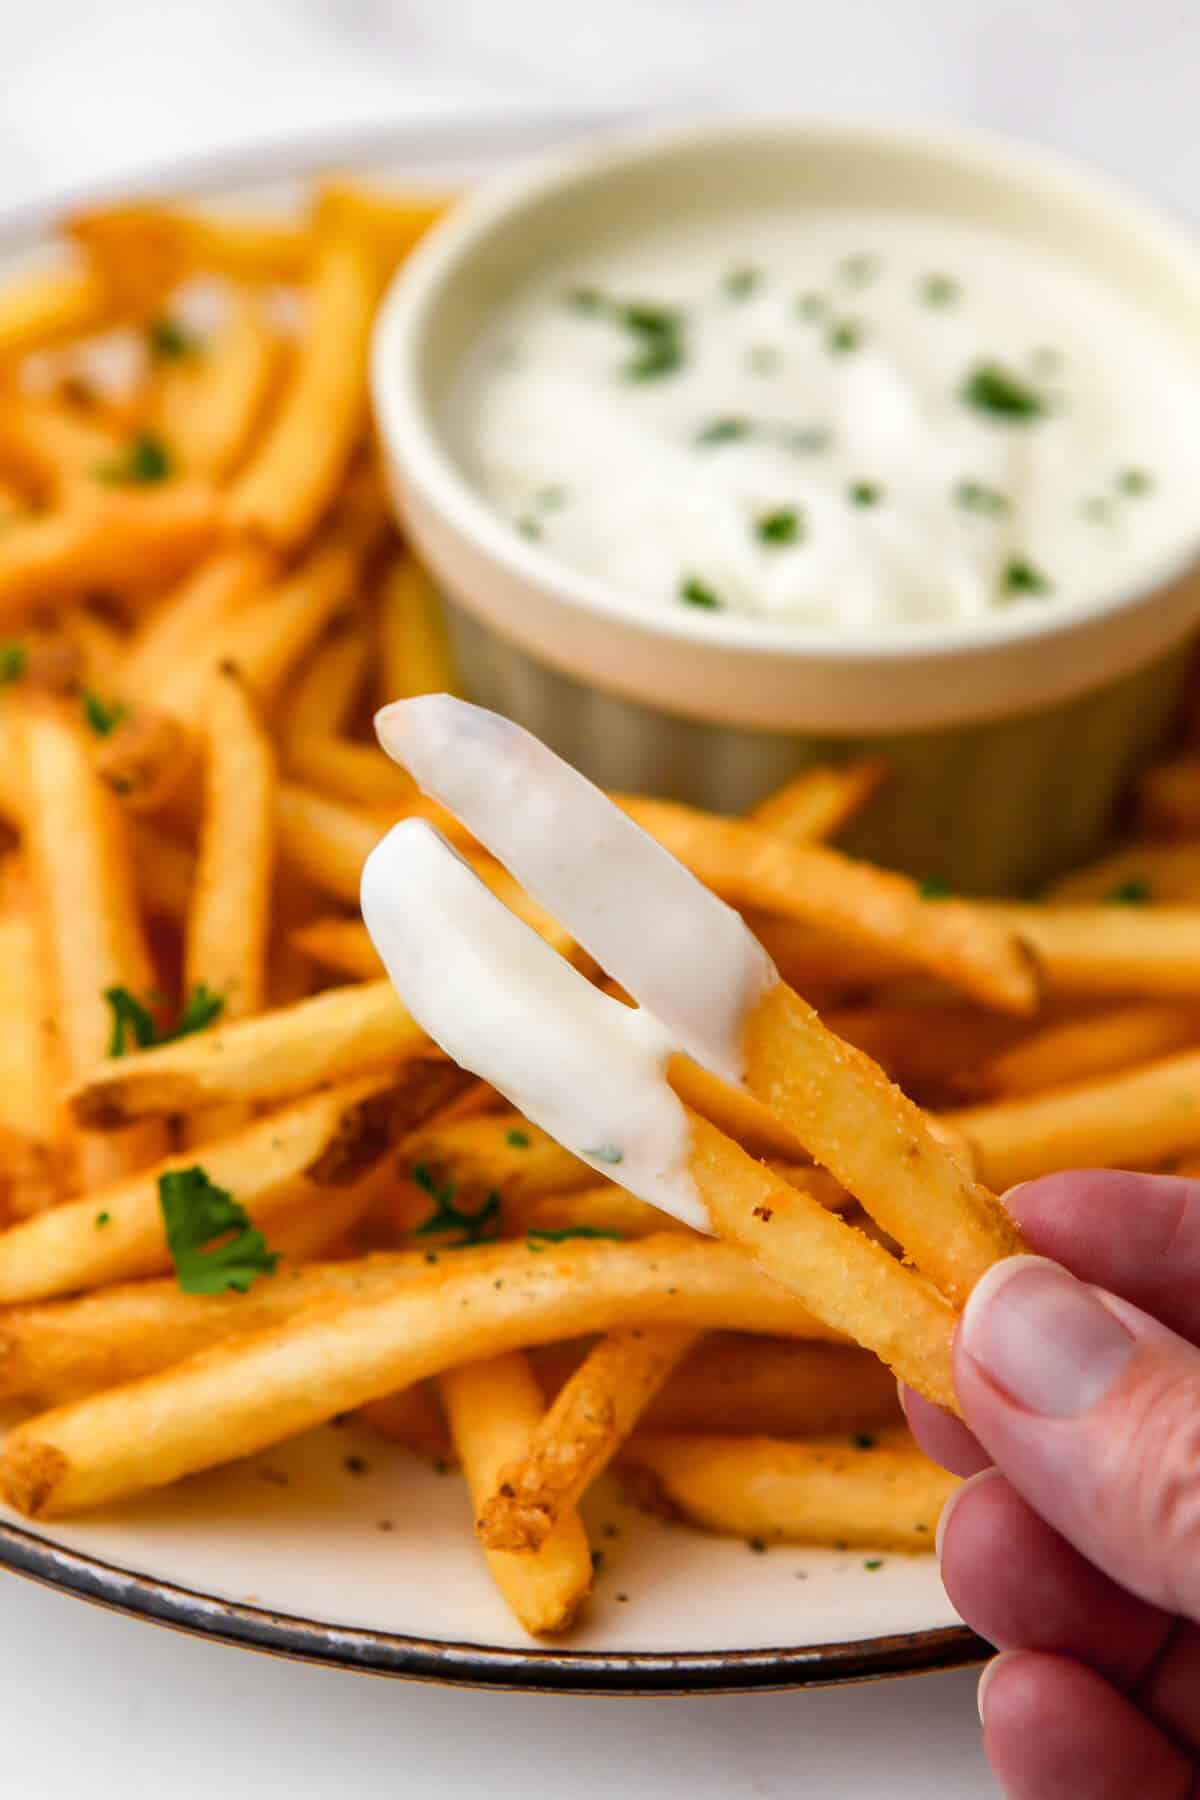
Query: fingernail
(986,1678)
(1044,1337)
(972,1481)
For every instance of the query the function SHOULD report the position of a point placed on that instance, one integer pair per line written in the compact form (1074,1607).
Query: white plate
(292,1552)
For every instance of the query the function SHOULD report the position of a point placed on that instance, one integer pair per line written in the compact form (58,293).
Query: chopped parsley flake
(529,527)
(873,1562)
(145,462)
(102,1219)
(740,283)
(845,336)
(865,493)
(859,269)
(1134,892)
(991,388)
(13,658)
(475,1227)
(519,1140)
(977,497)
(811,306)
(130,1017)
(696,593)
(1023,577)
(102,718)
(939,290)
(784,525)
(726,430)
(933,888)
(657,331)
(1134,481)
(170,340)
(212,1243)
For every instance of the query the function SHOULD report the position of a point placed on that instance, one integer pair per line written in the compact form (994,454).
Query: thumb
(1092,1410)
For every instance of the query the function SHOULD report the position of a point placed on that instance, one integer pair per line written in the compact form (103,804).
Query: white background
(94,1703)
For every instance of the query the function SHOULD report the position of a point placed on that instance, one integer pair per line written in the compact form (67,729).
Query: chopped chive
(144,463)
(102,718)
(1134,481)
(784,525)
(519,1140)
(859,269)
(102,1219)
(697,593)
(811,306)
(740,283)
(991,388)
(873,1562)
(1023,577)
(845,336)
(977,497)
(939,290)
(726,430)
(170,340)
(865,493)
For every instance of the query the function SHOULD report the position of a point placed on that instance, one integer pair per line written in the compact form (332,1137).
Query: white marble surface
(95,1703)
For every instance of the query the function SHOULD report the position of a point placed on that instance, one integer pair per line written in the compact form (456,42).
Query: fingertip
(954,1502)
(987,1676)
(943,1438)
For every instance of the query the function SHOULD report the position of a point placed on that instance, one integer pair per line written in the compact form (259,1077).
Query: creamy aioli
(853,421)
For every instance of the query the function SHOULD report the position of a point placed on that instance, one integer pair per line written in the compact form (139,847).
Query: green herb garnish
(811,306)
(844,337)
(13,658)
(977,497)
(1134,892)
(170,340)
(865,493)
(783,525)
(1134,481)
(519,1140)
(740,283)
(859,268)
(873,1562)
(933,888)
(725,430)
(991,388)
(476,1227)
(537,1240)
(1023,577)
(102,717)
(130,1018)
(605,1153)
(102,1219)
(212,1243)
(529,527)
(145,462)
(939,290)
(695,593)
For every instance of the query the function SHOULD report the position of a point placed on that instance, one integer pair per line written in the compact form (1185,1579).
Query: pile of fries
(241,1193)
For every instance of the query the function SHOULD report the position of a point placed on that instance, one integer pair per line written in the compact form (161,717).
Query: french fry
(824,1491)
(577,1437)
(325,840)
(1106,950)
(147,760)
(341,945)
(816,960)
(275,1166)
(130,540)
(414,1418)
(183,625)
(210,401)
(869,906)
(877,1144)
(350,1030)
(1075,1050)
(820,802)
(164,869)
(494,1408)
(89,931)
(774,1386)
(164,242)
(1136,1119)
(266,639)
(924,1050)
(29,1112)
(606,1210)
(240,1397)
(290,479)
(500,1153)
(47,306)
(415,658)
(51,449)
(356,774)
(323,694)
(315,753)
(1164,874)
(1169,797)
(846,1279)
(392,223)
(101,647)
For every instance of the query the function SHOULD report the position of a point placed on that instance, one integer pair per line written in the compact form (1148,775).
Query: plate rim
(466,1664)
(557,1670)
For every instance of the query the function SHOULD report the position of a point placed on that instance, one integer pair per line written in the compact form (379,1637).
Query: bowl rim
(416,444)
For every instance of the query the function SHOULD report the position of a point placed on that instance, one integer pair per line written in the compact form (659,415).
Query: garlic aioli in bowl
(858,422)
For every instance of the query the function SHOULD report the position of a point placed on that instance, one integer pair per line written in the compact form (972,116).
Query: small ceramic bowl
(1010,738)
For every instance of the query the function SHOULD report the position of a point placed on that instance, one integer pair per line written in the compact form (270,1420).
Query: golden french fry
(350,1030)
(392,223)
(164,869)
(1136,1119)
(924,1050)
(415,658)
(1144,871)
(877,908)
(1105,950)
(775,1386)
(578,1436)
(602,1211)
(816,960)
(292,476)
(166,241)
(886,1496)
(210,401)
(341,945)
(845,1278)
(147,760)
(414,1418)
(47,306)
(494,1153)
(494,1408)
(126,540)
(50,448)
(1074,1050)
(102,649)
(357,774)
(821,801)
(323,694)
(266,639)
(202,604)
(877,1144)
(29,1111)
(275,1165)
(85,911)
(313,751)
(325,840)
(470,1304)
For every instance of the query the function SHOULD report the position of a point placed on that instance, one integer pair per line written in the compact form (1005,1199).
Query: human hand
(1075,1548)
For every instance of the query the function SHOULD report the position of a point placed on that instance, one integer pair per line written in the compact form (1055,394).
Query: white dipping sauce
(850,420)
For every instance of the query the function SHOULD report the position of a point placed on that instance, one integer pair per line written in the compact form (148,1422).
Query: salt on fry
(883,1496)
(494,1408)
(240,1397)
(578,1436)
